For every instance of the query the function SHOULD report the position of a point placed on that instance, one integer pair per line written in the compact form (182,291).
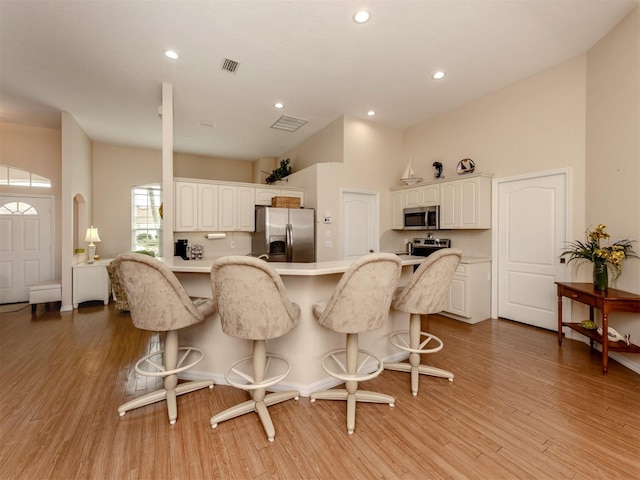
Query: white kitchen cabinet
(466,203)
(91,282)
(425,196)
(186,206)
(469,296)
(236,208)
(263,195)
(196,206)
(397,204)
(208,199)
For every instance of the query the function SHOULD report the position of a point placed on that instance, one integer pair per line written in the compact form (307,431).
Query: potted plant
(603,257)
(284,170)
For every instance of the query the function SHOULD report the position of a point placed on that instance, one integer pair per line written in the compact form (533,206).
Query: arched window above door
(21,178)
(18,208)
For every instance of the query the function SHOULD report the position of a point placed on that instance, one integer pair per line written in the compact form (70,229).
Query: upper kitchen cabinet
(397,205)
(466,203)
(236,208)
(265,194)
(196,206)
(425,196)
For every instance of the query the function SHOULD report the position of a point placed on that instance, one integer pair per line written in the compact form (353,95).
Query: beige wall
(613,152)
(536,124)
(211,168)
(371,153)
(36,150)
(116,170)
(327,145)
(262,168)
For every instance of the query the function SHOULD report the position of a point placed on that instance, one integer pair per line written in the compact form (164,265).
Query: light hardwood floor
(520,407)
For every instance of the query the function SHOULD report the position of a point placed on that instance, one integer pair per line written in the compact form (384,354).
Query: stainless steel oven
(423,247)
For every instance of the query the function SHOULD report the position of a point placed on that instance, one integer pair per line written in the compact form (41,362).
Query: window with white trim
(146,219)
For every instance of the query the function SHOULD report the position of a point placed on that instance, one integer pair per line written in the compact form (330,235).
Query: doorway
(26,244)
(531,215)
(360,224)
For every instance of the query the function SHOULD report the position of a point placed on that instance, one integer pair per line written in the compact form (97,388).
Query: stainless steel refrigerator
(285,234)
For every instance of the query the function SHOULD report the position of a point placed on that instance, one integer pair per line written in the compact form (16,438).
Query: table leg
(605,343)
(591,317)
(560,320)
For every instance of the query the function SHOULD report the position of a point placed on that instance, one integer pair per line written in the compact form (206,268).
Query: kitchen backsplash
(236,243)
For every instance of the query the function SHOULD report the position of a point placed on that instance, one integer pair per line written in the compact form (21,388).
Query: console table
(611,300)
(91,282)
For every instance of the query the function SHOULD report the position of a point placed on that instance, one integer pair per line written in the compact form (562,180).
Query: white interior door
(532,230)
(360,226)
(26,245)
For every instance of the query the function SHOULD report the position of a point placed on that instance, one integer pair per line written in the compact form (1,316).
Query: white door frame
(494,226)
(376,217)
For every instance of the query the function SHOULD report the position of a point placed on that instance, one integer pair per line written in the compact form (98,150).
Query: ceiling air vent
(230,65)
(288,123)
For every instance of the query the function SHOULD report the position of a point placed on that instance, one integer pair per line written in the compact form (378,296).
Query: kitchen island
(305,345)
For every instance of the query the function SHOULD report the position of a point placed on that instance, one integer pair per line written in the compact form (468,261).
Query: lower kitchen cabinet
(91,282)
(469,297)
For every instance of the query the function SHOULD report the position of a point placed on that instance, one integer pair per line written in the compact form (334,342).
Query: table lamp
(92,236)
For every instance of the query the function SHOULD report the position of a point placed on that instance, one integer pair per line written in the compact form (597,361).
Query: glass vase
(600,276)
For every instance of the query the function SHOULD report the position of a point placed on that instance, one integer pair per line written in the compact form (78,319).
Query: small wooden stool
(45,292)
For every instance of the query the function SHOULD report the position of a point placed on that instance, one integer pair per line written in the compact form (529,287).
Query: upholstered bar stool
(253,304)
(424,294)
(359,303)
(158,302)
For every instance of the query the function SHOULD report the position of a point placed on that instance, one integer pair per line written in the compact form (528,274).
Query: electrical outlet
(232,244)
(327,220)
(328,244)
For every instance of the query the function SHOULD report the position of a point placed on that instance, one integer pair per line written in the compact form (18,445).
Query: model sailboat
(408,177)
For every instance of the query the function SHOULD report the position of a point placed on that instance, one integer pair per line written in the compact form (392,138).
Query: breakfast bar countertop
(177,264)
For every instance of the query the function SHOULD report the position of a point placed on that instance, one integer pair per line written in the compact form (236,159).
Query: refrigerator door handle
(289,244)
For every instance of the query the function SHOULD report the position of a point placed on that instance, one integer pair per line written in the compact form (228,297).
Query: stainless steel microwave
(421,218)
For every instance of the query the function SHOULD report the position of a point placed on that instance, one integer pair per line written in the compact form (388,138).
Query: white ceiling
(102,61)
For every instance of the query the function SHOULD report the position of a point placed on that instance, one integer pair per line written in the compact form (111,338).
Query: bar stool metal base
(416,347)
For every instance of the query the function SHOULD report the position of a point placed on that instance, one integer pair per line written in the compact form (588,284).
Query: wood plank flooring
(519,408)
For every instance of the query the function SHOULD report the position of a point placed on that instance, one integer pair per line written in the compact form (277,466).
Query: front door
(26,245)
(532,231)
(360,212)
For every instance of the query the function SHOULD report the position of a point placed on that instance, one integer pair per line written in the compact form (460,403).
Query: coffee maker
(182,249)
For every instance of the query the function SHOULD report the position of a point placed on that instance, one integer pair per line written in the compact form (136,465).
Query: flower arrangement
(603,257)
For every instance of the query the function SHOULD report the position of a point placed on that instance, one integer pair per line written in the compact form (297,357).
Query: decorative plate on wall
(466,165)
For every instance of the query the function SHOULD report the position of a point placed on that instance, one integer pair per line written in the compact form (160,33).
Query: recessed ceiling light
(361,16)
(171,54)
(438,75)
(278,105)
(371,113)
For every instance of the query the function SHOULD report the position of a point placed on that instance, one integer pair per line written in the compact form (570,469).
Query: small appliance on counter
(182,249)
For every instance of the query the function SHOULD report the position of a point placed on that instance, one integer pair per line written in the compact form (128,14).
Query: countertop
(177,264)
(467,260)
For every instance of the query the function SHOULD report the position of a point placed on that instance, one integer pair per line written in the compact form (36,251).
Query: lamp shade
(92,235)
